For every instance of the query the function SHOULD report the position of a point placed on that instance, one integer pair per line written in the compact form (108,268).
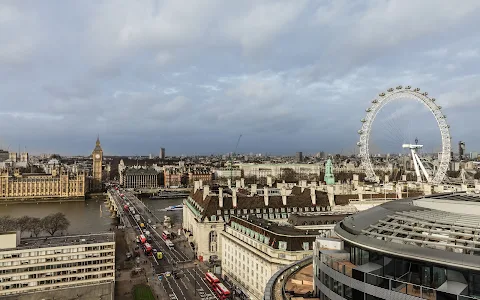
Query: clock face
(97,156)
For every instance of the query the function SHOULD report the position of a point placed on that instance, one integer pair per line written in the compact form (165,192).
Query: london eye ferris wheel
(406,93)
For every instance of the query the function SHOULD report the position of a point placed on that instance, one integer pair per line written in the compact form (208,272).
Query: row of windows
(49,283)
(55,274)
(56,259)
(57,266)
(272,210)
(38,253)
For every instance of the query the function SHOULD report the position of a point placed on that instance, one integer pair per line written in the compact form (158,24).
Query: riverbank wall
(7,201)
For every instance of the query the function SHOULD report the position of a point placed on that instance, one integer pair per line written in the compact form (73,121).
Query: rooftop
(56,241)
(438,228)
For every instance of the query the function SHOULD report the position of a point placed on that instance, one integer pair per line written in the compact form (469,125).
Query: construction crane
(231,158)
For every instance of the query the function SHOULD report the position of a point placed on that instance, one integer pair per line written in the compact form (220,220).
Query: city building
(329,178)
(3,155)
(461,150)
(227,173)
(57,267)
(162,153)
(140,178)
(253,249)
(173,177)
(12,160)
(97,156)
(299,157)
(417,248)
(59,184)
(203,174)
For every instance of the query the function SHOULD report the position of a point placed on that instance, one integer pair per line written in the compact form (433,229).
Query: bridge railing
(275,288)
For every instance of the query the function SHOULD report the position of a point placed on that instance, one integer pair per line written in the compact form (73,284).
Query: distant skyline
(190,76)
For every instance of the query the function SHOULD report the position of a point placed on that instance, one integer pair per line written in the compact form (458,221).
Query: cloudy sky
(191,76)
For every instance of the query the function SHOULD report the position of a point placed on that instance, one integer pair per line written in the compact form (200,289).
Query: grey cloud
(290,76)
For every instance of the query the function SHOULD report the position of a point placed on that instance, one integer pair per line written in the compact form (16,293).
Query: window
(282,245)
(213,241)
(306,246)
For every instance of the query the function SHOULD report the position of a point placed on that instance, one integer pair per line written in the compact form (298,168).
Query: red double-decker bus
(211,278)
(222,291)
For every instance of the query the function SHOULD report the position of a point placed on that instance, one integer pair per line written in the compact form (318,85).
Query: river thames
(87,216)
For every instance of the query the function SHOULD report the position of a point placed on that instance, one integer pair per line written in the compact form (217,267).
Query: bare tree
(35,226)
(55,222)
(23,224)
(7,223)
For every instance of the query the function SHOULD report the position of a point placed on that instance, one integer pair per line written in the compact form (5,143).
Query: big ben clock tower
(97,156)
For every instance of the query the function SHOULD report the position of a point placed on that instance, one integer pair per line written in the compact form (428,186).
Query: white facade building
(39,265)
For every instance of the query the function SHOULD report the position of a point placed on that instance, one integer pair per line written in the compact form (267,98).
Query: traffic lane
(199,284)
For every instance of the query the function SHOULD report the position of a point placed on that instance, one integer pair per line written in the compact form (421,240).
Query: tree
(7,223)
(289,175)
(55,222)
(23,224)
(35,226)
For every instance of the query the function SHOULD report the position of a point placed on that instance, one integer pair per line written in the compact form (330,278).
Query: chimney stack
(234,197)
(284,195)
(206,191)
(253,189)
(196,185)
(265,195)
(331,195)
(220,197)
(313,196)
(269,181)
(303,184)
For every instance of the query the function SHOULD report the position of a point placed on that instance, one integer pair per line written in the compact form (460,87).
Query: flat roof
(405,228)
(56,241)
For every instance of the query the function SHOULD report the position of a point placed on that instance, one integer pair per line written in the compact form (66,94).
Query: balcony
(408,283)
(275,289)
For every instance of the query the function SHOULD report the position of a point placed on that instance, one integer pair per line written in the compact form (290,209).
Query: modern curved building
(417,248)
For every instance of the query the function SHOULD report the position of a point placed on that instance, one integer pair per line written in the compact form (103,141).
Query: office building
(162,153)
(461,150)
(416,248)
(299,157)
(57,267)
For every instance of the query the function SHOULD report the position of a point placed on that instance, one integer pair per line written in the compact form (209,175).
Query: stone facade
(140,178)
(59,184)
(97,156)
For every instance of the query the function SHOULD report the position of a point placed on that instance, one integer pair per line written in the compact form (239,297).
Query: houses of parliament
(61,183)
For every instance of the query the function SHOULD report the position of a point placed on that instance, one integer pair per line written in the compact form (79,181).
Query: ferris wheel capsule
(416,90)
(408,87)
(368,109)
(399,87)
(439,107)
(425,94)
(433,99)
(363,120)
(374,101)
(359,144)
(390,90)
(360,131)
(381,94)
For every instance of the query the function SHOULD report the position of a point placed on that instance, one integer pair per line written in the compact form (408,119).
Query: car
(168,274)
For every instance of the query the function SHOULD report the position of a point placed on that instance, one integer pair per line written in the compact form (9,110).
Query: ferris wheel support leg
(415,164)
(422,167)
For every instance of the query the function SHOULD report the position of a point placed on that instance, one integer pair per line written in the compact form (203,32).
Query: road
(191,284)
